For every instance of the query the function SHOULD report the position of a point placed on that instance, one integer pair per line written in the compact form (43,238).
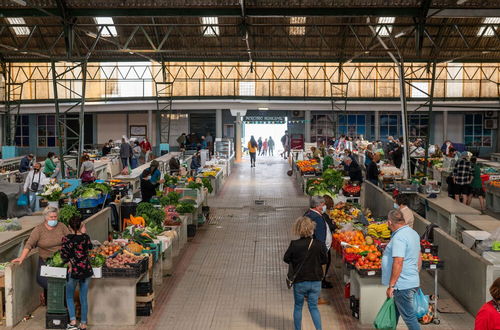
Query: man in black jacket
(353,169)
(372,170)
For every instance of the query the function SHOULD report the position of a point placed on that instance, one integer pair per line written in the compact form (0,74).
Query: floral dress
(75,249)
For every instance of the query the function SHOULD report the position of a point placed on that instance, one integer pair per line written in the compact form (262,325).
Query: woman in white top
(34,184)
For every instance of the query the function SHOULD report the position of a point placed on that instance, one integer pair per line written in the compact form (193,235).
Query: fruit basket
(351,190)
(428,247)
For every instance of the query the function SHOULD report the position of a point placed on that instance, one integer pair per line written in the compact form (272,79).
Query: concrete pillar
(377,125)
(150,126)
(307,126)
(237,139)
(445,125)
(218,123)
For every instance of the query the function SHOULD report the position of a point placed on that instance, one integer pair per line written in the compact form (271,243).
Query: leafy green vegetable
(90,193)
(56,260)
(194,185)
(172,198)
(185,207)
(333,179)
(102,187)
(152,215)
(207,184)
(97,261)
(170,180)
(67,212)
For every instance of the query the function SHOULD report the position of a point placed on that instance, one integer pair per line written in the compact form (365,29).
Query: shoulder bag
(35,185)
(290,278)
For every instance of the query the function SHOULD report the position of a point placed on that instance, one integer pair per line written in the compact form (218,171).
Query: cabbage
(90,193)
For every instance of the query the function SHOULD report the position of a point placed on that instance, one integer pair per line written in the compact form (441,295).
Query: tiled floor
(231,276)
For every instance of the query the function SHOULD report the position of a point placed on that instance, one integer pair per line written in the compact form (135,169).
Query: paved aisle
(235,279)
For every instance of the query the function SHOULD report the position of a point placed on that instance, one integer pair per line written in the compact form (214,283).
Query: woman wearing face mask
(47,237)
(34,184)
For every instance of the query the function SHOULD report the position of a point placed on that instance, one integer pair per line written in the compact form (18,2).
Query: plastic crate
(369,272)
(191,230)
(144,288)
(56,291)
(56,321)
(154,250)
(144,309)
(135,271)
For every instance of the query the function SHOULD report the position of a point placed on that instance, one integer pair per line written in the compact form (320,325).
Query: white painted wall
(111,126)
(438,129)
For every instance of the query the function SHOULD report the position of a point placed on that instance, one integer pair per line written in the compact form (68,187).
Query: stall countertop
(27,222)
(481,222)
(449,205)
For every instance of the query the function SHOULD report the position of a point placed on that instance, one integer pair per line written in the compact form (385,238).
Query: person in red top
(146,149)
(488,317)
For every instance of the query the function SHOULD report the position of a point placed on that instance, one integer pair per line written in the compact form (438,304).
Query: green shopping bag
(386,317)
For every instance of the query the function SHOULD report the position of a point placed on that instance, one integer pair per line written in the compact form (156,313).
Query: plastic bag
(421,303)
(22,200)
(489,244)
(386,316)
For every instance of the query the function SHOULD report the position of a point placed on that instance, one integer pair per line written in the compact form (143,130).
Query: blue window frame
(46,125)
(22,137)
(474,132)
(352,125)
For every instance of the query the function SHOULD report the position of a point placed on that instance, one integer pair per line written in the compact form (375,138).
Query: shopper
(271,146)
(353,170)
(196,163)
(488,317)
(174,165)
(252,150)
(401,263)
(136,154)
(265,146)
(75,251)
(155,172)
(25,164)
(259,142)
(368,155)
(372,171)
(125,152)
(306,257)
(286,142)
(322,231)
(203,144)
(87,171)
(477,185)
(182,141)
(47,237)
(328,160)
(33,185)
(330,205)
(398,153)
(106,149)
(401,203)
(210,142)
(462,176)
(146,149)
(148,189)
(315,154)
(447,145)
(50,166)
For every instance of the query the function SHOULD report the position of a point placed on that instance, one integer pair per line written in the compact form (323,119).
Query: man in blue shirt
(401,264)
(25,164)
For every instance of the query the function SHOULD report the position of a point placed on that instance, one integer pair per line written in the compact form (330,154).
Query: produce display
(170,180)
(380,230)
(153,216)
(10,225)
(172,198)
(123,260)
(67,212)
(329,184)
(389,170)
(207,184)
(97,260)
(351,190)
(185,207)
(307,166)
(106,249)
(344,213)
(56,260)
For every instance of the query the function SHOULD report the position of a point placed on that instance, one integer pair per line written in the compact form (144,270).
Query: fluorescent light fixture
(109,30)
(487,31)
(385,30)
(210,27)
(400,34)
(19,2)
(461,2)
(263,109)
(19,30)
(297,27)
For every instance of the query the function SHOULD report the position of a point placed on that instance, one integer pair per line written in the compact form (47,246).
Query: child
(75,250)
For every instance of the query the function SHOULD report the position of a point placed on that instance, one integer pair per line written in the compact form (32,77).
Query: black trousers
(328,263)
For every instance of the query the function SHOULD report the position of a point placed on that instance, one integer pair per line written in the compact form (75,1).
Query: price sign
(371,273)
(433,267)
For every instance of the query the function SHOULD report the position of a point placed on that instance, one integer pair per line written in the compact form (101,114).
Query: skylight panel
(19,30)
(109,30)
(210,26)
(385,30)
(296,27)
(488,31)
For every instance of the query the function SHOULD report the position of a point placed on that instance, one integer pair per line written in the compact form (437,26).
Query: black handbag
(35,185)
(291,276)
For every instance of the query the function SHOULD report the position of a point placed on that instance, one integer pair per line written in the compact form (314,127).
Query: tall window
(418,125)
(46,130)
(352,125)
(475,134)
(389,126)
(321,127)
(23,131)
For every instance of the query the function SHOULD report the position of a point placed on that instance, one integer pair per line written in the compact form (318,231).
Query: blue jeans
(70,298)
(311,290)
(34,201)
(134,162)
(404,307)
